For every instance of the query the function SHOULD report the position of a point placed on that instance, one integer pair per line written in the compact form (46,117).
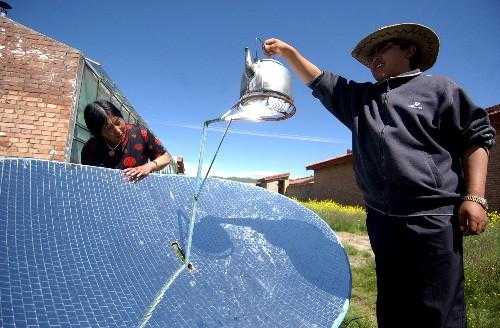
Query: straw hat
(424,38)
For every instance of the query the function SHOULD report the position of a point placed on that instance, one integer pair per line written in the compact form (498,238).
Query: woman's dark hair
(96,115)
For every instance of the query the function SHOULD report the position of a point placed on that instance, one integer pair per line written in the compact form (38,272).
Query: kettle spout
(248,61)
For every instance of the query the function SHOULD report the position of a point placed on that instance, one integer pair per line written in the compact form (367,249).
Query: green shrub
(339,217)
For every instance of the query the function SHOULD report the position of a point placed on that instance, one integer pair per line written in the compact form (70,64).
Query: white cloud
(191,170)
(259,134)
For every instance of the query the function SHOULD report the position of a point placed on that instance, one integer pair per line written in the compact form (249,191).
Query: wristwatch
(477,199)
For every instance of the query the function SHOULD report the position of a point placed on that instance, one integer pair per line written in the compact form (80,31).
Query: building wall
(337,182)
(38,88)
(272,186)
(493,181)
(300,191)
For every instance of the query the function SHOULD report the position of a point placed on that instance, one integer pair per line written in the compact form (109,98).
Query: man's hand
(277,47)
(306,70)
(472,218)
(140,172)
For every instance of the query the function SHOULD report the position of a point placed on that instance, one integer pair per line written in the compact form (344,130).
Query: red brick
(493,180)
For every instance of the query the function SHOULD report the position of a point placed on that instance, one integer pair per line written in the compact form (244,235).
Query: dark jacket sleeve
(337,94)
(468,122)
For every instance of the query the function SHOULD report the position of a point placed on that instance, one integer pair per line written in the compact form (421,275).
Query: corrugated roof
(271,178)
(330,162)
(304,180)
(494,112)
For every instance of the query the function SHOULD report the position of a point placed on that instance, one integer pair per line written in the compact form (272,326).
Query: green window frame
(95,87)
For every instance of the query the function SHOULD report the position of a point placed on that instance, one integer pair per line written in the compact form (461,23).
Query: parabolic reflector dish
(80,247)
(261,106)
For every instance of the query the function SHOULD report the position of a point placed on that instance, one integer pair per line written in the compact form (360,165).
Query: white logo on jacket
(415,104)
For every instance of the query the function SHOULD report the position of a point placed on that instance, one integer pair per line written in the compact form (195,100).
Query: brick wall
(493,181)
(337,182)
(300,191)
(38,88)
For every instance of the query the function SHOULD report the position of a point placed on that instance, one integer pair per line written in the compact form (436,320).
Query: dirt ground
(360,242)
(361,245)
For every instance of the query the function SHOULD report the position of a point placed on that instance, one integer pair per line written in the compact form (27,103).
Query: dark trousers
(419,265)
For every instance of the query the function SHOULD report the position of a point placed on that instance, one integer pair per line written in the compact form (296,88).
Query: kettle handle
(260,45)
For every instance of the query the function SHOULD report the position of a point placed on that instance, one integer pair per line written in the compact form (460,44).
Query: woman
(119,145)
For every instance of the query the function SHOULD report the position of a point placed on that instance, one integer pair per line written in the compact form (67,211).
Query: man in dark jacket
(420,150)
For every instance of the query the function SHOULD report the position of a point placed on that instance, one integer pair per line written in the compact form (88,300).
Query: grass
(481,264)
(482,276)
(361,312)
(352,219)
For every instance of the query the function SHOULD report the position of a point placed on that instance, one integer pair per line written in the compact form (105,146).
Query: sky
(180,62)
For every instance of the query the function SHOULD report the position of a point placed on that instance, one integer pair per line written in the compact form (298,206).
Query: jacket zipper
(382,155)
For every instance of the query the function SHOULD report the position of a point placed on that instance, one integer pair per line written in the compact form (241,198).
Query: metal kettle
(265,75)
(265,92)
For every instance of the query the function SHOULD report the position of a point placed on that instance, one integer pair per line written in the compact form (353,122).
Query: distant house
(334,179)
(277,183)
(493,181)
(294,188)
(300,188)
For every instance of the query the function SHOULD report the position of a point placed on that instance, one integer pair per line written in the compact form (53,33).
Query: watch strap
(477,199)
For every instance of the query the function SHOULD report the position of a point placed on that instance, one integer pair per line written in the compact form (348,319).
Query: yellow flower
(493,218)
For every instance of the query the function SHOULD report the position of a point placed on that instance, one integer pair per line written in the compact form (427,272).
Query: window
(88,93)
(103,92)
(116,102)
(125,113)
(76,151)
(132,119)
(96,85)
(81,133)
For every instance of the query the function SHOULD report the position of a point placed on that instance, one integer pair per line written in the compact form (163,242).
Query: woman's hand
(140,172)
(472,218)
(277,47)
